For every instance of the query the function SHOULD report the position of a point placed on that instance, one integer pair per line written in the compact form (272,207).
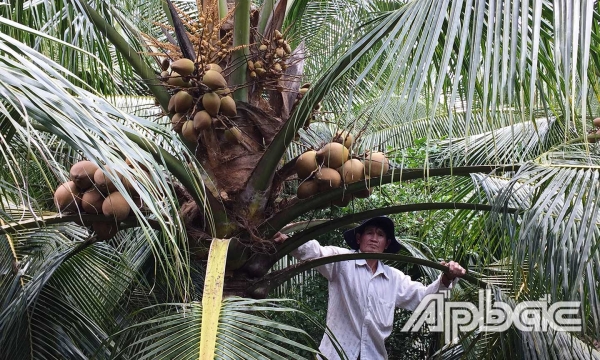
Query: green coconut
(214,80)
(228,106)
(188,132)
(211,103)
(233,135)
(184,67)
(202,120)
(183,101)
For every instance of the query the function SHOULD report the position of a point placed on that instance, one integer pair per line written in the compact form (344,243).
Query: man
(364,293)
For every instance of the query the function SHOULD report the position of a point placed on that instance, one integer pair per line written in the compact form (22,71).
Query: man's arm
(410,293)
(313,250)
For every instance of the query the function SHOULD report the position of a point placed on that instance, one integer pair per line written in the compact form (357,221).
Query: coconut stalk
(241,38)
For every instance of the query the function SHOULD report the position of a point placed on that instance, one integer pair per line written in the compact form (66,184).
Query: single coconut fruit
(307,189)
(306,164)
(233,135)
(116,206)
(214,80)
(171,105)
(202,120)
(343,201)
(183,101)
(67,197)
(105,230)
(352,171)
(103,182)
(164,64)
(214,67)
(211,103)
(333,155)
(82,174)
(177,121)
(596,122)
(184,67)
(228,106)
(188,132)
(328,179)
(376,164)
(164,74)
(345,138)
(91,201)
(176,80)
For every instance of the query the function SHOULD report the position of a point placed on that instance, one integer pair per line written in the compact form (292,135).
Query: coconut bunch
(268,60)
(201,97)
(331,166)
(91,191)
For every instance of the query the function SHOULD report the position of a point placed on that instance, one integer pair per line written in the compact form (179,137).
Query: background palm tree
(505,88)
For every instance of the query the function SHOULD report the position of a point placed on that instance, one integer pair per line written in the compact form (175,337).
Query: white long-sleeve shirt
(360,311)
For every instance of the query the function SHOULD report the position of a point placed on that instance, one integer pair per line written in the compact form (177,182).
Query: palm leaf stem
(129,54)
(262,287)
(241,38)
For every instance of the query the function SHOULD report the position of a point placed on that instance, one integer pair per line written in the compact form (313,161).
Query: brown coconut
(345,138)
(306,164)
(214,80)
(328,179)
(103,182)
(116,206)
(82,174)
(105,230)
(67,197)
(211,103)
(202,120)
(352,171)
(131,165)
(307,189)
(177,122)
(183,101)
(164,64)
(376,164)
(188,132)
(333,155)
(228,106)
(92,200)
(184,67)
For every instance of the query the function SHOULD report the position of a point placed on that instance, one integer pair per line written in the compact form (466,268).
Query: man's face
(372,240)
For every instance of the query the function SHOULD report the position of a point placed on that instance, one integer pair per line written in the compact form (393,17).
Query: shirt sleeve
(313,250)
(410,293)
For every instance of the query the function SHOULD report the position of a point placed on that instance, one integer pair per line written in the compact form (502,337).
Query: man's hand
(279,238)
(454,271)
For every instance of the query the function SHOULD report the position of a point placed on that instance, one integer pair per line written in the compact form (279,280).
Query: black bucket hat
(382,222)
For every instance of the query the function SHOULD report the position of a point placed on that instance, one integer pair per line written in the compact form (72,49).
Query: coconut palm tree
(506,89)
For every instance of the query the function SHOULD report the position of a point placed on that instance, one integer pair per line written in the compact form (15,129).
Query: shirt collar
(381,267)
